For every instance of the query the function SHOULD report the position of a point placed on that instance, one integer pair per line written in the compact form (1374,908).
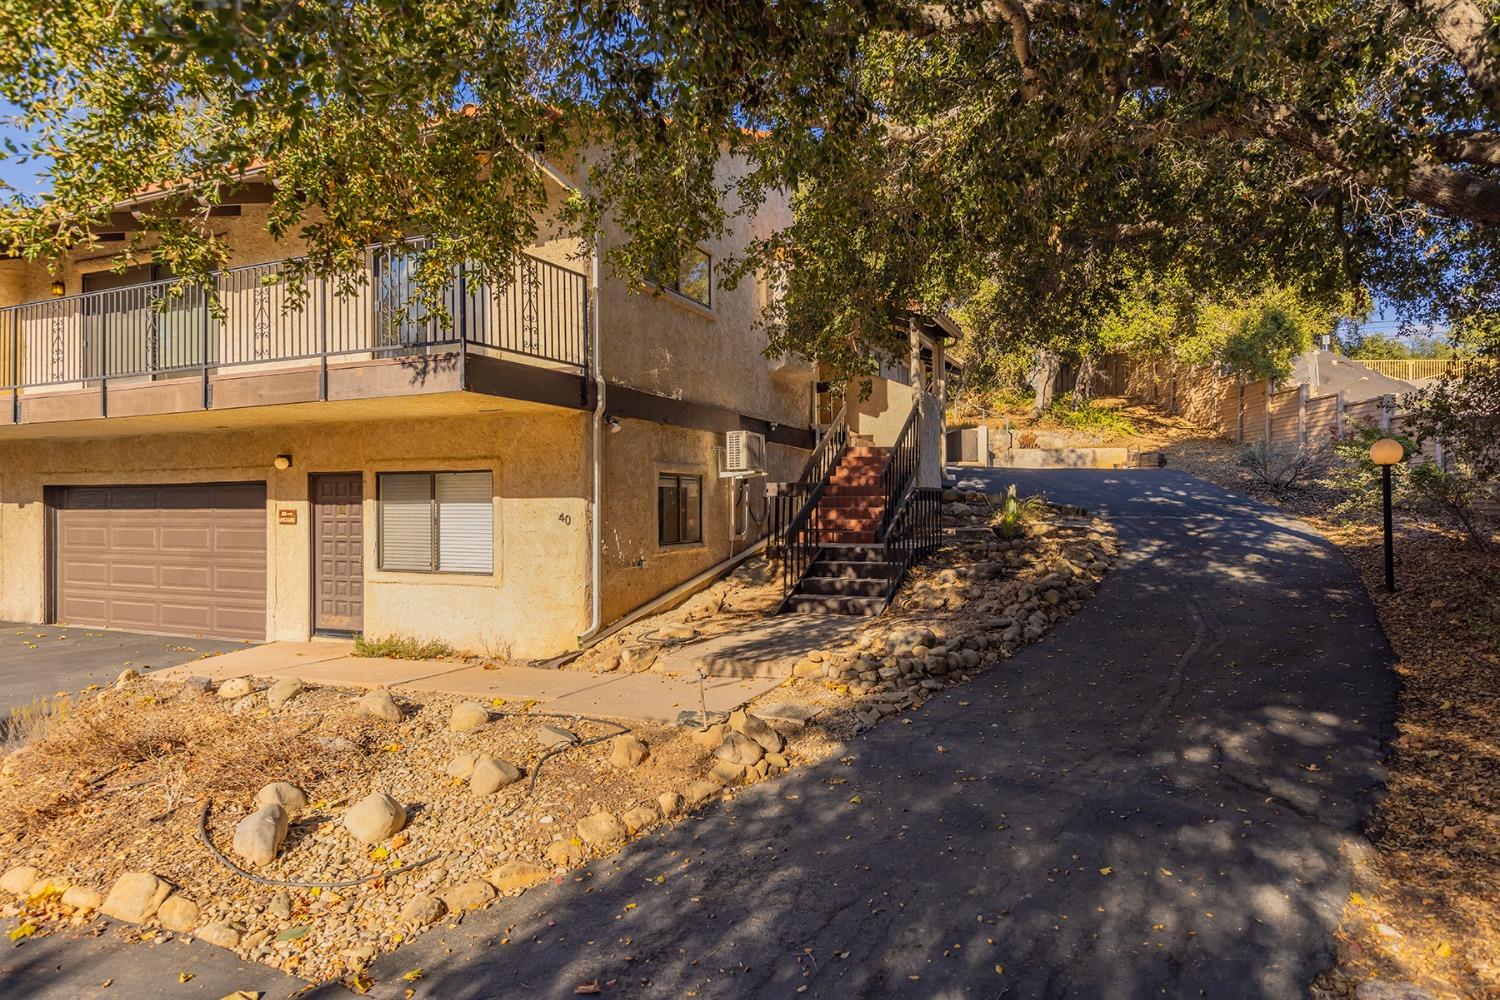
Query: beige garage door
(189,560)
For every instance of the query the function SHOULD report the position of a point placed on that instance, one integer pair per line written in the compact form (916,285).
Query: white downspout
(596,519)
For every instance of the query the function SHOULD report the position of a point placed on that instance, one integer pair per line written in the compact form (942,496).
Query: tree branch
(1463,29)
(939,19)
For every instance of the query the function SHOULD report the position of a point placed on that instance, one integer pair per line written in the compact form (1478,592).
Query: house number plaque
(286,515)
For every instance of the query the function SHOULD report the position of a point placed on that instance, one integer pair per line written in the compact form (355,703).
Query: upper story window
(694,278)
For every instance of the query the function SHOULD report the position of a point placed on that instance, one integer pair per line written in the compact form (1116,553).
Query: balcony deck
(248,337)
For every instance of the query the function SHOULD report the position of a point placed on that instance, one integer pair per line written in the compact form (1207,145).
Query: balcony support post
(103,371)
(15,365)
(323,339)
(207,318)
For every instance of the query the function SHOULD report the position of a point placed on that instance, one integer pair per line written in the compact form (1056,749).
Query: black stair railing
(793,498)
(916,530)
(900,469)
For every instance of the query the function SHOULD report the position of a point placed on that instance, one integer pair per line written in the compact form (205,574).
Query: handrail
(899,470)
(252,315)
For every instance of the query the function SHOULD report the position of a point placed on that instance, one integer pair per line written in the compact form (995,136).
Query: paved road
(1150,802)
(38,661)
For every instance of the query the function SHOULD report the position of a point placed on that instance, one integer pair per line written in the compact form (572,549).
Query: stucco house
(561,453)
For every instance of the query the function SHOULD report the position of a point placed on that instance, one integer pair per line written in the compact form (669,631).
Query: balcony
(245,337)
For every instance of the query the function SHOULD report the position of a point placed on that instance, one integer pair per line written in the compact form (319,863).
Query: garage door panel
(179,558)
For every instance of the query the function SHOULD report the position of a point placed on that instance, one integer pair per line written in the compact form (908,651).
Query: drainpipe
(596,520)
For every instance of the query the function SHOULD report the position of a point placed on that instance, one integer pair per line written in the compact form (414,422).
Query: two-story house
(272,466)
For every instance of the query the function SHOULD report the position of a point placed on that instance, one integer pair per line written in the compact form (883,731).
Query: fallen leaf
(362,983)
(292,933)
(1106,870)
(22,932)
(589,988)
(412,975)
(183,977)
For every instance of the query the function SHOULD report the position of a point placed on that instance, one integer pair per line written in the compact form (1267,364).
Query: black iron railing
(899,472)
(254,315)
(916,530)
(797,497)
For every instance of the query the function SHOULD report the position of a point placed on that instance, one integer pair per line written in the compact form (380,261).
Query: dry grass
(402,647)
(25,724)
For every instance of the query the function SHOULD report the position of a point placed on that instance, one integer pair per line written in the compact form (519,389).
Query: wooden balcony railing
(249,317)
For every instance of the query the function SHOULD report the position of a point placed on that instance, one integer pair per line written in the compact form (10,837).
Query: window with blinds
(437,522)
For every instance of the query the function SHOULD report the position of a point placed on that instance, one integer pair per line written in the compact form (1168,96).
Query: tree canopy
(1044,151)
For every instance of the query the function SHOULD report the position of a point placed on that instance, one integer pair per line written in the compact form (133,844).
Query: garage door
(189,560)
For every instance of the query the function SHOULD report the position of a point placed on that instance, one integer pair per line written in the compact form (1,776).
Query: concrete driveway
(1153,801)
(38,661)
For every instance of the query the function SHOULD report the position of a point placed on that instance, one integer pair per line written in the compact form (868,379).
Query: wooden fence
(1411,369)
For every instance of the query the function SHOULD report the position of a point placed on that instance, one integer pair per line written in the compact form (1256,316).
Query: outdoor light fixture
(283,462)
(59,289)
(613,422)
(1385,453)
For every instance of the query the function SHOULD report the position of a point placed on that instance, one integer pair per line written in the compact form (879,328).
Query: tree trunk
(1045,368)
(1088,375)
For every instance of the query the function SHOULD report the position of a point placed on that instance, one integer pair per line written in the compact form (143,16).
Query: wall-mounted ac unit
(744,453)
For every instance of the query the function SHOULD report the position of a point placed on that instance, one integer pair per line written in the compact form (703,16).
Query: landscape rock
(235,687)
(284,691)
(627,752)
(671,804)
(421,910)
(280,906)
(80,898)
(809,668)
(260,835)
(134,897)
(517,876)
(757,729)
(469,895)
(601,829)
(492,774)
(639,818)
(380,705)
(638,658)
(1376,989)
(222,933)
(467,715)
(462,766)
(18,881)
(374,818)
(126,676)
(710,736)
(674,630)
(565,853)
(727,773)
(284,794)
(178,913)
(698,792)
(552,736)
(738,748)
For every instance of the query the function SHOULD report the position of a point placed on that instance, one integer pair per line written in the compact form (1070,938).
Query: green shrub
(402,647)
(1357,478)
(1016,513)
(1086,416)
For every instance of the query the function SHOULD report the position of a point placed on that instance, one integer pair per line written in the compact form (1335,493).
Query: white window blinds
(442,521)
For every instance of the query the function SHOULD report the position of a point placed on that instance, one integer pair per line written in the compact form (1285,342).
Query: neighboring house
(339,467)
(1326,373)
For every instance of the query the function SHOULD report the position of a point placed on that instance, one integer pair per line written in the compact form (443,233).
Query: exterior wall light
(283,462)
(1385,453)
(613,422)
(59,289)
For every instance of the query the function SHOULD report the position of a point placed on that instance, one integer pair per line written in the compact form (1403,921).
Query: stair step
(852,569)
(830,521)
(854,490)
(849,537)
(825,604)
(845,586)
(864,451)
(853,552)
(874,504)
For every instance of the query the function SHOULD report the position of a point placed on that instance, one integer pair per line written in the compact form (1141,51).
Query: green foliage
(1379,345)
(1357,479)
(1083,415)
(1016,513)
(1453,495)
(1462,410)
(402,647)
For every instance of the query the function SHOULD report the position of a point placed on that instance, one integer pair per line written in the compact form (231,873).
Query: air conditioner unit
(744,453)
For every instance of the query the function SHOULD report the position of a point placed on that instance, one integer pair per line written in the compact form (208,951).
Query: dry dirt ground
(1426,909)
(117,780)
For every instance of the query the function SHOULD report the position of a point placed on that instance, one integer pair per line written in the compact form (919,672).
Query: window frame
(678,479)
(433,521)
(674,286)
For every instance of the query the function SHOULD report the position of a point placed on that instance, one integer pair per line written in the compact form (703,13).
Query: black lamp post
(1385,453)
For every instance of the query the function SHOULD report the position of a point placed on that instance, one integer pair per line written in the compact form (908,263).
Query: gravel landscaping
(341,823)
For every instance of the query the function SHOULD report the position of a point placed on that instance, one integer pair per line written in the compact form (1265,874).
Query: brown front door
(338,553)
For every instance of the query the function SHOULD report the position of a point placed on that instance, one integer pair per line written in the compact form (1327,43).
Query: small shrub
(1452,495)
(1357,478)
(402,647)
(1016,513)
(26,724)
(1280,467)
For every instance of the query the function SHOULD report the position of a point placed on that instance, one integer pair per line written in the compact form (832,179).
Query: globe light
(1387,451)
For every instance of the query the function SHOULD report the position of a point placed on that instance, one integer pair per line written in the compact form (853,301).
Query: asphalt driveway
(1154,801)
(38,661)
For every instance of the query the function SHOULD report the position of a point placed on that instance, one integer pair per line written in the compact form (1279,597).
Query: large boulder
(135,897)
(698,792)
(284,794)
(283,691)
(18,881)
(639,818)
(374,818)
(516,876)
(462,766)
(178,913)
(492,774)
(222,933)
(467,715)
(379,704)
(81,898)
(757,729)
(740,749)
(469,895)
(601,829)
(627,752)
(260,835)
(235,687)
(421,910)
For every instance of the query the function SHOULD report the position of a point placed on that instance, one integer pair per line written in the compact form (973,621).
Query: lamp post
(1385,453)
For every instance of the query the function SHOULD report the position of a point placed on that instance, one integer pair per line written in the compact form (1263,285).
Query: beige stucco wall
(541,507)
(636,568)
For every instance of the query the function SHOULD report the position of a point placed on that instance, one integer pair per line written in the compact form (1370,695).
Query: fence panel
(1322,421)
(1285,421)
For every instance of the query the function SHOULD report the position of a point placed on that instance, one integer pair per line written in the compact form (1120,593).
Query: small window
(437,522)
(679,509)
(694,279)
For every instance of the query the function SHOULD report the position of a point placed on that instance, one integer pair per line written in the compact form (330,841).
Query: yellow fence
(1411,369)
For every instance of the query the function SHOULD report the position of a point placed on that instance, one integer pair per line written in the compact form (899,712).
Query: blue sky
(21,176)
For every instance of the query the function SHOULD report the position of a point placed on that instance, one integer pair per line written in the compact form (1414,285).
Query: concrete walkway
(770,649)
(645,697)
